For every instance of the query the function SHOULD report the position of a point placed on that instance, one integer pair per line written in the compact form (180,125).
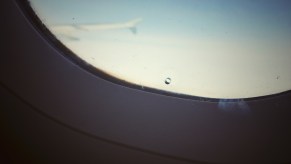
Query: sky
(209,48)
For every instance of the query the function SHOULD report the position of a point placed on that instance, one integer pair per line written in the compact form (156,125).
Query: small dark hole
(168,81)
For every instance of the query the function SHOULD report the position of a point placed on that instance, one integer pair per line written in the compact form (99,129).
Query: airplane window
(221,49)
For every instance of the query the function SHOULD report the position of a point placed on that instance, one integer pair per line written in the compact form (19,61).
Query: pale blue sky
(206,18)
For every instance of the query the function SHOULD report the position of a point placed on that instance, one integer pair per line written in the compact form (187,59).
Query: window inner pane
(208,48)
